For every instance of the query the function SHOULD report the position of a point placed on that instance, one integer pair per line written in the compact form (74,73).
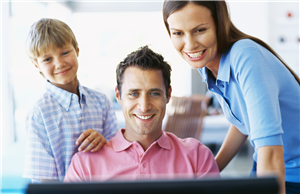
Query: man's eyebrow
(134,90)
(152,90)
(156,90)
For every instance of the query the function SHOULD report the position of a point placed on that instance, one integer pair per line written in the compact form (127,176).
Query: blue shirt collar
(64,97)
(223,72)
(224,68)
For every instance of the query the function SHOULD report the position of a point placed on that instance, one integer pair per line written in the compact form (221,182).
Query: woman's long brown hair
(227,33)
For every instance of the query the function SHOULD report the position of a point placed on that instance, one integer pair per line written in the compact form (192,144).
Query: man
(143,150)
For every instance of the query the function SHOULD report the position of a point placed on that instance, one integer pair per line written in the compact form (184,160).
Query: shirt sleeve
(39,160)
(207,166)
(260,88)
(110,127)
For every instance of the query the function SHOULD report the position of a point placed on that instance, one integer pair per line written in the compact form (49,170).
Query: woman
(258,92)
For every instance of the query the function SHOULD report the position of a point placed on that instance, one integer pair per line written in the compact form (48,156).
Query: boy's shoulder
(94,94)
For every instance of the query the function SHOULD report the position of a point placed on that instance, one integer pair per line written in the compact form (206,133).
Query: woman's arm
(269,161)
(230,147)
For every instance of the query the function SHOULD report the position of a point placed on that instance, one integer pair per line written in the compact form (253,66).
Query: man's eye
(133,94)
(155,94)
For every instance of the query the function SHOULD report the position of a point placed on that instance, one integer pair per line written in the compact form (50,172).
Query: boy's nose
(59,63)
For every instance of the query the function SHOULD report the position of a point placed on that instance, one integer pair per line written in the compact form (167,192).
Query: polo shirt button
(144,165)
(140,154)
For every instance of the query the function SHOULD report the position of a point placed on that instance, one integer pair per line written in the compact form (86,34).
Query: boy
(68,114)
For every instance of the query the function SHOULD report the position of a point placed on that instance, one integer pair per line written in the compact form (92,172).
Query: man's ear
(118,95)
(169,94)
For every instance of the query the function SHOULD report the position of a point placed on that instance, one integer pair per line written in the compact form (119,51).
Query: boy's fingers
(93,144)
(89,140)
(83,135)
(100,145)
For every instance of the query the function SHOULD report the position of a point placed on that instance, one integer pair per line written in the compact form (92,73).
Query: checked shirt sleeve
(110,126)
(39,160)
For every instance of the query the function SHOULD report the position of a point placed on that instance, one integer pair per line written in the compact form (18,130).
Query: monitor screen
(265,185)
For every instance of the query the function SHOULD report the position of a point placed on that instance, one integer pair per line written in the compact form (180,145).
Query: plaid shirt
(55,123)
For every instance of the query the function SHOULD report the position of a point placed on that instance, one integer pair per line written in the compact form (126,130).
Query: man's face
(143,103)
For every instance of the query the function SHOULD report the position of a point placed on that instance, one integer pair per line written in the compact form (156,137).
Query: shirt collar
(64,97)
(224,68)
(223,72)
(119,143)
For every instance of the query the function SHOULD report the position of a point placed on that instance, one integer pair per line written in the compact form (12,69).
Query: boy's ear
(77,51)
(36,65)
(169,94)
(118,95)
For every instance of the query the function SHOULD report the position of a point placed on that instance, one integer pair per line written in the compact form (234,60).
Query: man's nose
(144,104)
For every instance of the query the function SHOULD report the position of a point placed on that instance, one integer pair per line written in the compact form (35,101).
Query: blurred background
(106,33)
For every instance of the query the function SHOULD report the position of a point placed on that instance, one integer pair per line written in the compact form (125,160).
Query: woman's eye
(176,33)
(201,30)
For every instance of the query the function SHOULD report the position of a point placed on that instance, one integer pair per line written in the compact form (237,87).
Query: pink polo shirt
(168,157)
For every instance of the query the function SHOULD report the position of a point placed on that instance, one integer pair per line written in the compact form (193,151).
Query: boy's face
(59,66)
(143,103)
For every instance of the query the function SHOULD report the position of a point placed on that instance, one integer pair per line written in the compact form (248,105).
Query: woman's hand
(90,140)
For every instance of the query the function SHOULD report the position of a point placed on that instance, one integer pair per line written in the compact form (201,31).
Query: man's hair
(48,34)
(145,59)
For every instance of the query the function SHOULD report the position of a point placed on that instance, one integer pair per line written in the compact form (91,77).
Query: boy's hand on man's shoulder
(90,140)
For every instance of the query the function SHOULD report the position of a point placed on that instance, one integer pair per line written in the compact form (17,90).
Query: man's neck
(144,140)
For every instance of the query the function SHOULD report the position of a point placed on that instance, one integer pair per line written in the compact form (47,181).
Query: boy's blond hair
(47,34)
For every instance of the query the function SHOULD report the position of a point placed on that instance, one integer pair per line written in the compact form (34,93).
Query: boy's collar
(64,97)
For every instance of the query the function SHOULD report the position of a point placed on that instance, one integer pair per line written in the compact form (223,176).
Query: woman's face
(193,34)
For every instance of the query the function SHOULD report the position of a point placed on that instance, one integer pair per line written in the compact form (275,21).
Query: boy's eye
(66,52)
(47,60)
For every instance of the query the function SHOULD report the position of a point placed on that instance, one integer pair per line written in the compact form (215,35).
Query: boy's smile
(59,66)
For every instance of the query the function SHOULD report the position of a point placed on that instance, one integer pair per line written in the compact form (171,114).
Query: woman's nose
(190,43)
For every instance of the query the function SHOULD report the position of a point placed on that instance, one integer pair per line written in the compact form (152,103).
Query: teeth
(144,117)
(195,54)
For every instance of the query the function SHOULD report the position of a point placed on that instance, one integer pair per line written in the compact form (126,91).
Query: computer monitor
(264,185)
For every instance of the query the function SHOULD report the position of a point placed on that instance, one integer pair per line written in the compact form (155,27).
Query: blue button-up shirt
(260,96)
(55,123)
